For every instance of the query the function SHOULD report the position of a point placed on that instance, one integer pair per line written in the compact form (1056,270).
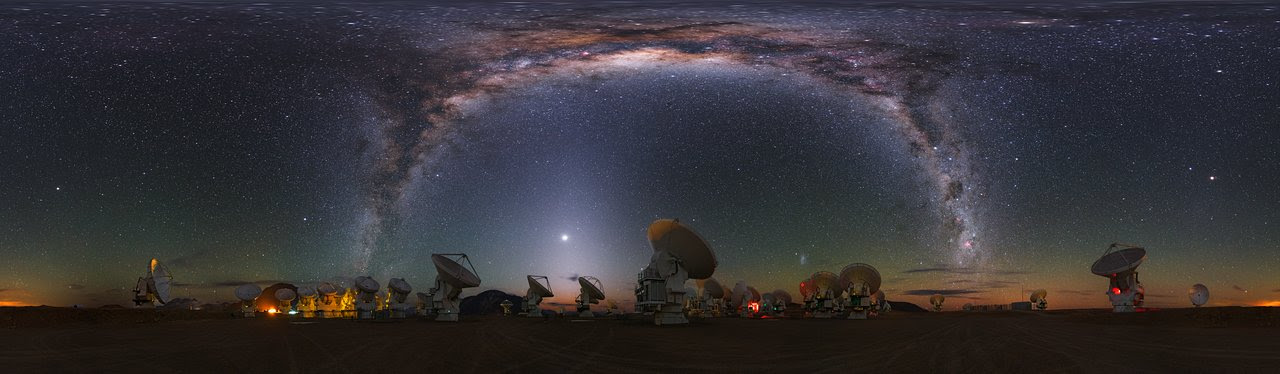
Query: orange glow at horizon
(1268,303)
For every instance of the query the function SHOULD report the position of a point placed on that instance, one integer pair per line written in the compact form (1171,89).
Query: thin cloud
(1238,288)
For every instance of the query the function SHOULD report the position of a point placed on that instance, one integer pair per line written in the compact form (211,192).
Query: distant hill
(489,302)
(903,306)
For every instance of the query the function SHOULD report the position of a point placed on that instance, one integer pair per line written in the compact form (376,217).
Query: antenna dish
(537,288)
(327,289)
(366,284)
(937,300)
(452,272)
(1199,294)
(248,292)
(782,297)
(399,285)
(713,289)
(683,243)
(285,294)
(857,273)
(306,291)
(1038,295)
(591,293)
(1120,261)
(591,286)
(824,281)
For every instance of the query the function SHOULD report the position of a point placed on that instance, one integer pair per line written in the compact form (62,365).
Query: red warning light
(754,306)
(1115,290)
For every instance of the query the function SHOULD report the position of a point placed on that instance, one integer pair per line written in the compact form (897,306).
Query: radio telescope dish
(1199,294)
(398,298)
(154,287)
(307,291)
(860,281)
(591,292)
(782,296)
(778,306)
(1038,299)
(307,301)
(329,304)
(1119,264)
(684,244)
(537,291)
(937,300)
(366,297)
(248,292)
(713,289)
(451,278)
(285,295)
(679,254)
(284,298)
(825,286)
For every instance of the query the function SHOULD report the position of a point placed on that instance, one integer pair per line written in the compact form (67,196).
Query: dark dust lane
(952,342)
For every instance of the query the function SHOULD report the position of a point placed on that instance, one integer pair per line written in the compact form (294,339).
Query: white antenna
(247,293)
(398,298)
(591,292)
(537,291)
(826,288)
(937,300)
(745,299)
(307,301)
(1199,294)
(713,296)
(1119,264)
(284,300)
(679,254)
(878,303)
(366,297)
(154,287)
(777,303)
(451,278)
(330,304)
(1038,299)
(860,281)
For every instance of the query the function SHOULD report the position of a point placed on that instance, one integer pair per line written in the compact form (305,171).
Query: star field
(974,150)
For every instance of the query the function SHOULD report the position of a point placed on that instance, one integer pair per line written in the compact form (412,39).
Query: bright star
(564,237)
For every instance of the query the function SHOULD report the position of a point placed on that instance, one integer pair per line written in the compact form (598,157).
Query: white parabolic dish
(713,288)
(285,294)
(1199,294)
(592,286)
(327,289)
(163,280)
(399,285)
(1038,295)
(366,284)
(1119,261)
(453,273)
(937,299)
(860,272)
(248,292)
(306,291)
(537,288)
(683,243)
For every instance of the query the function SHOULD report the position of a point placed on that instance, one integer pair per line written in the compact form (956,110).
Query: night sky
(977,150)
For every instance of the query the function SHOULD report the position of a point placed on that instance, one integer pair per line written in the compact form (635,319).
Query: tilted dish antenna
(247,293)
(307,304)
(366,297)
(1038,299)
(591,292)
(398,291)
(879,304)
(1199,294)
(781,299)
(284,298)
(937,300)
(539,288)
(826,288)
(860,281)
(713,297)
(154,287)
(679,254)
(1120,264)
(330,303)
(451,278)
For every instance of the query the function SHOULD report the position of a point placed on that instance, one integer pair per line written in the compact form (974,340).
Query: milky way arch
(419,95)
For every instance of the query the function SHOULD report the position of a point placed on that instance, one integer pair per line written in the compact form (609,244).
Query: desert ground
(1173,340)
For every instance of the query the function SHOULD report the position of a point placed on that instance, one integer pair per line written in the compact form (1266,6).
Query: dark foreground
(1214,340)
